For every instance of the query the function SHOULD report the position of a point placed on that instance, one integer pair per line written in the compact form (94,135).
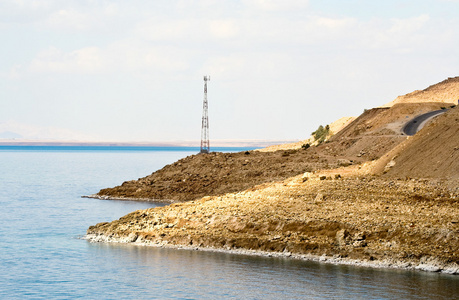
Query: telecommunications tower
(205,148)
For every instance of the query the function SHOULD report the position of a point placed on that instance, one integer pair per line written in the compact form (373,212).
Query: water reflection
(42,213)
(184,274)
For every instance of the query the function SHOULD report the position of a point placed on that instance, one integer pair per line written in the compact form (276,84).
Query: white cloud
(25,11)
(171,45)
(224,29)
(16,72)
(243,32)
(395,35)
(54,60)
(139,56)
(408,26)
(257,51)
(255,66)
(61,16)
(171,30)
(85,17)
(65,19)
(121,56)
(276,5)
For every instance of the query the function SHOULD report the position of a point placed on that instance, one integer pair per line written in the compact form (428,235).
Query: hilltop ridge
(446,91)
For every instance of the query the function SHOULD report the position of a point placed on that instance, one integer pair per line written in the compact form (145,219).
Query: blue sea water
(42,216)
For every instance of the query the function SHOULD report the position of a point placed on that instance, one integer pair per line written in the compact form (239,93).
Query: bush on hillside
(321,133)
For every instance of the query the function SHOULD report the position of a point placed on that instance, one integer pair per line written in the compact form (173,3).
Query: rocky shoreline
(405,224)
(425,265)
(369,196)
(120,198)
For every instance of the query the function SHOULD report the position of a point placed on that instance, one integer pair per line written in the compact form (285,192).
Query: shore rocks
(361,220)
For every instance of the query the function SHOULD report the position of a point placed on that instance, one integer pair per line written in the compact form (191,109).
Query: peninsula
(360,193)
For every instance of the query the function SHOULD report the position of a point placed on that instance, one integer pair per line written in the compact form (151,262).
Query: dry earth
(446,91)
(219,173)
(366,138)
(433,153)
(396,205)
(399,223)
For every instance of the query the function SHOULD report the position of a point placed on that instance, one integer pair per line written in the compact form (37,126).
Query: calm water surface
(41,257)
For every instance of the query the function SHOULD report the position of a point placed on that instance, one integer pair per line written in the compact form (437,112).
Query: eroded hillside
(431,153)
(370,136)
(398,208)
(446,91)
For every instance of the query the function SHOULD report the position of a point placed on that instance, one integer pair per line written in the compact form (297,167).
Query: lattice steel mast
(205,147)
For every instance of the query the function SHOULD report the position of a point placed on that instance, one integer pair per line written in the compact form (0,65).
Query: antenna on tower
(205,147)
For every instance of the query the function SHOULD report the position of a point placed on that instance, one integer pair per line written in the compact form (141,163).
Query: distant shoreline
(116,148)
(189,144)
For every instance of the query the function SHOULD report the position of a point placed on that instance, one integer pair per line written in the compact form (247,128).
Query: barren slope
(370,136)
(366,138)
(433,152)
(446,91)
(219,173)
(408,218)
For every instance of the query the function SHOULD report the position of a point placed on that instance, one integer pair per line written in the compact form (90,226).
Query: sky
(100,70)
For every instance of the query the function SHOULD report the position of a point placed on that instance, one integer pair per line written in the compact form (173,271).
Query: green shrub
(321,133)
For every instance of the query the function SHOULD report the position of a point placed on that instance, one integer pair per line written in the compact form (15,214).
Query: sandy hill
(389,118)
(446,91)
(369,137)
(352,218)
(376,131)
(432,153)
(321,203)
(335,127)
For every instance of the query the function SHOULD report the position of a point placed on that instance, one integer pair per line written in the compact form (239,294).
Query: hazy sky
(133,70)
